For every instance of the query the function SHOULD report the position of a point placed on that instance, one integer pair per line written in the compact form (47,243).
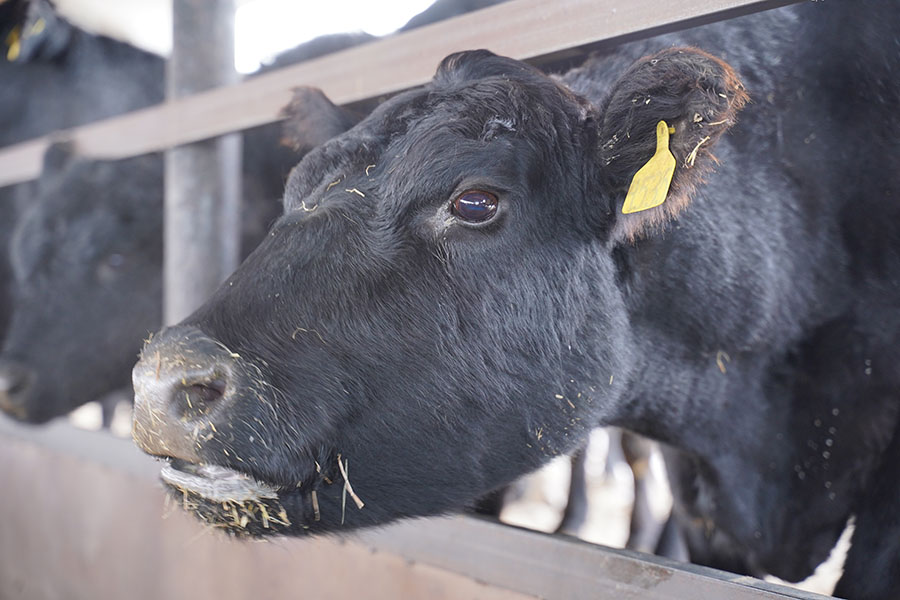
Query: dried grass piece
(722,358)
(689,161)
(315,502)
(304,330)
(347,487)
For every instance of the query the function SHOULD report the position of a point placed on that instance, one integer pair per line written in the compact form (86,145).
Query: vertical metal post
(202,179)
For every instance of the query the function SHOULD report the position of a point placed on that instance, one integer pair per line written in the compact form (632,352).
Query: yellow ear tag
(13,44)
(651,183)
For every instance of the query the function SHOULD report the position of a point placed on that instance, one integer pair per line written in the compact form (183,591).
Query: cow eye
(109,267)
(115,260)
(475,206)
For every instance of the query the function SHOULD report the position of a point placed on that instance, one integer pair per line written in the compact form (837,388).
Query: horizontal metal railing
(80,487)
(523,29)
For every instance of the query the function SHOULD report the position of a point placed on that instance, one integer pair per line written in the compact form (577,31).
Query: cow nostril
(199,398)
(15,385)
(184,382)
(11,386)
(14,380)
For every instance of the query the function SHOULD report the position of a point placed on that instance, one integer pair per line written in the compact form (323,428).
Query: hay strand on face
(347,487)
(315,504)
(304,330)
(343,504)
(722,358)
(689,161)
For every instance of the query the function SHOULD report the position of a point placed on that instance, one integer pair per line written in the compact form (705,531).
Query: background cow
(56,76)
(83,282)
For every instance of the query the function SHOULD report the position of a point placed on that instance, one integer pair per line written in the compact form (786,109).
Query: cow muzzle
(183,384)
(16,383)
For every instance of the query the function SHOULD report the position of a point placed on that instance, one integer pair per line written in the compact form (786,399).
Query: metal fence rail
(112,526)
(523,29)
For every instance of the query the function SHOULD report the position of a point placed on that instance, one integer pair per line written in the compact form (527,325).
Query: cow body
(454,296)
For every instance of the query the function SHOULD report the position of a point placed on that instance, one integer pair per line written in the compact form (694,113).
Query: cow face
(86,258)
(436,313)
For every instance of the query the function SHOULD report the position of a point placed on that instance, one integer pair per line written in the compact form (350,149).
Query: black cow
(85,250)
(72,266)
(454,295)
(47,84)
(55,76)
(87,259)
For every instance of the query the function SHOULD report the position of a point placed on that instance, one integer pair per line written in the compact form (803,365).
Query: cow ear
(657,129)
(32,30)
(311,119)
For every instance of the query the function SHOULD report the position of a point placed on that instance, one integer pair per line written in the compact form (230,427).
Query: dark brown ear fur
(311,119)
(694,92)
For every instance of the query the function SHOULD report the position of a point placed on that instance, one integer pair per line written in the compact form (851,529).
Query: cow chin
(228,499)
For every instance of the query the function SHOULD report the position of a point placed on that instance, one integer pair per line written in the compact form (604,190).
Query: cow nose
(182,383)
(15,386)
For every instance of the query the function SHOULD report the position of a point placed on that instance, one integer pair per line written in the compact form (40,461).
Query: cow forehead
(438,125)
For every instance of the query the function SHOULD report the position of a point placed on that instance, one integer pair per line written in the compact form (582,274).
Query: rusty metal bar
(524,29)
(202,178)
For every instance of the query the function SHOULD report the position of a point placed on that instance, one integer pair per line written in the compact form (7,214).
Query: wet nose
(182,383)
(15,386)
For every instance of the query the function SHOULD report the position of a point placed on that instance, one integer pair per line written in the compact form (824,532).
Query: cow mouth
(226,499)
(215,483)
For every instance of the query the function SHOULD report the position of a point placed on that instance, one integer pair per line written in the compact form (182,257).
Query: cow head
(80,251)
(437,312)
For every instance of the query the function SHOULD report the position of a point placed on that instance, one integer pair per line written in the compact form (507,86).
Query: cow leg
(645,528)
(577,503)
(875,546)
(672,543)
(691,525)
(490,504)
(108,405)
